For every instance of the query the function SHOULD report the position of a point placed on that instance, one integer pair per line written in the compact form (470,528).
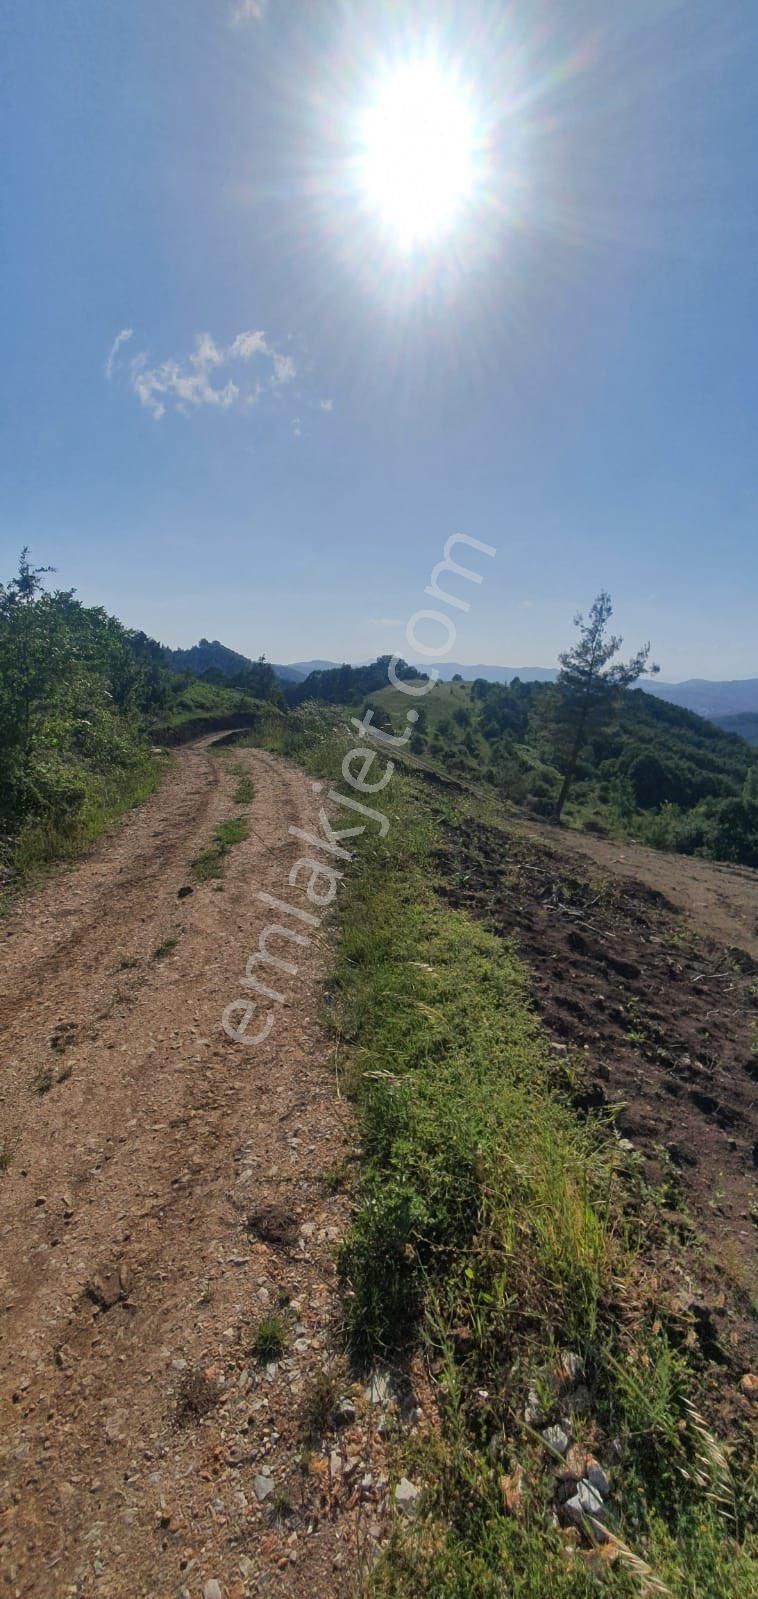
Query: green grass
(233,831)
(269,1340)
(463,1137)
(245,790)
(439,704)
(43,844)
(211,862)
(198,699)
(165,947)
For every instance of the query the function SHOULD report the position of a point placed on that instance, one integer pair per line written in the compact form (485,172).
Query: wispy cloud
(121,338)
(247,11)
(222,376)
(326,405)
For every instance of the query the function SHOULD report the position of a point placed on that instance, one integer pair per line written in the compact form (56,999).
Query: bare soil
(164,1190)
(644,968)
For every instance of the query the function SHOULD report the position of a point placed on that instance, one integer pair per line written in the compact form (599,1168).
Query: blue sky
(303,412)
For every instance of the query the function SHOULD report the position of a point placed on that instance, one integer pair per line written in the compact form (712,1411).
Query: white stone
(406,1497)
(556,1439)
(597,1478)
(585,1502)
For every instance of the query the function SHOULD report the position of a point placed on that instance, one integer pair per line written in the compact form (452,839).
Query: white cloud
(297,428)
(248,344)
(247,11)
(120,339)
(284,367)
(210,375)
(326,405)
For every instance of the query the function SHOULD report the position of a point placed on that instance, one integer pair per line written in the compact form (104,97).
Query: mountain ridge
(712,698)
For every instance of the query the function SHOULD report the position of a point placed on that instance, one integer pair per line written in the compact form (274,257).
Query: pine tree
(589,685)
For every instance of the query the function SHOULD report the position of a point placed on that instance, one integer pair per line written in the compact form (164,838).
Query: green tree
(589,685)
(750,789)
(76,692)
(31,638)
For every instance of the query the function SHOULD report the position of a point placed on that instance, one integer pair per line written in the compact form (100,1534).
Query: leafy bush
(77,691)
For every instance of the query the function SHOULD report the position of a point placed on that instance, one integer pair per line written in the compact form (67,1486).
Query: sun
(417,155)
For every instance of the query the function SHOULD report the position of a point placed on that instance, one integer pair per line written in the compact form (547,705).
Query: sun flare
(417,153)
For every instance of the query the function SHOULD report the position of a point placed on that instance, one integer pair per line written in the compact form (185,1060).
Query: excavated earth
(644,968)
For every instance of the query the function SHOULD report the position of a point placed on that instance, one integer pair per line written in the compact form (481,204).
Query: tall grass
(41,843)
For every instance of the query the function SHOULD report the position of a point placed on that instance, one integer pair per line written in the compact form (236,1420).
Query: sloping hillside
(710,698)
(656,772)
(743,726)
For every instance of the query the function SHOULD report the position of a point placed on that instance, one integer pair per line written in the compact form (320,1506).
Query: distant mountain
(304,668)
(447,669)
(289,674)
(745,725)
(211,655)
(713,700)
(494,674)
(710,699)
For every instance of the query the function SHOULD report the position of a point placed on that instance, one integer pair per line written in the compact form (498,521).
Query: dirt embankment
(164,1191)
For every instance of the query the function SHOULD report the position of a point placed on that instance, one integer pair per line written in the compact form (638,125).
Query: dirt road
(164,1190)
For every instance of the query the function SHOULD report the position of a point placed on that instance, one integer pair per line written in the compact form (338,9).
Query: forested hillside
(81,698)
(744,725)
(209,656)
(649,769)
(338,685)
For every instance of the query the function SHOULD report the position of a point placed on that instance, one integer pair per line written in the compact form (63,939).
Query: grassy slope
(196,699)
(492,1227)
(439,704)
(40,844)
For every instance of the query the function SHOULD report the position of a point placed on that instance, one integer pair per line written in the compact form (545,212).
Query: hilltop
(209,655)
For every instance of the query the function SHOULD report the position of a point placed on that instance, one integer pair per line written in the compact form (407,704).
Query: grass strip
(212,861)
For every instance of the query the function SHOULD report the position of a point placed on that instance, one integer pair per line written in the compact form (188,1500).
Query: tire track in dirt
(109,887)
(125,1262)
